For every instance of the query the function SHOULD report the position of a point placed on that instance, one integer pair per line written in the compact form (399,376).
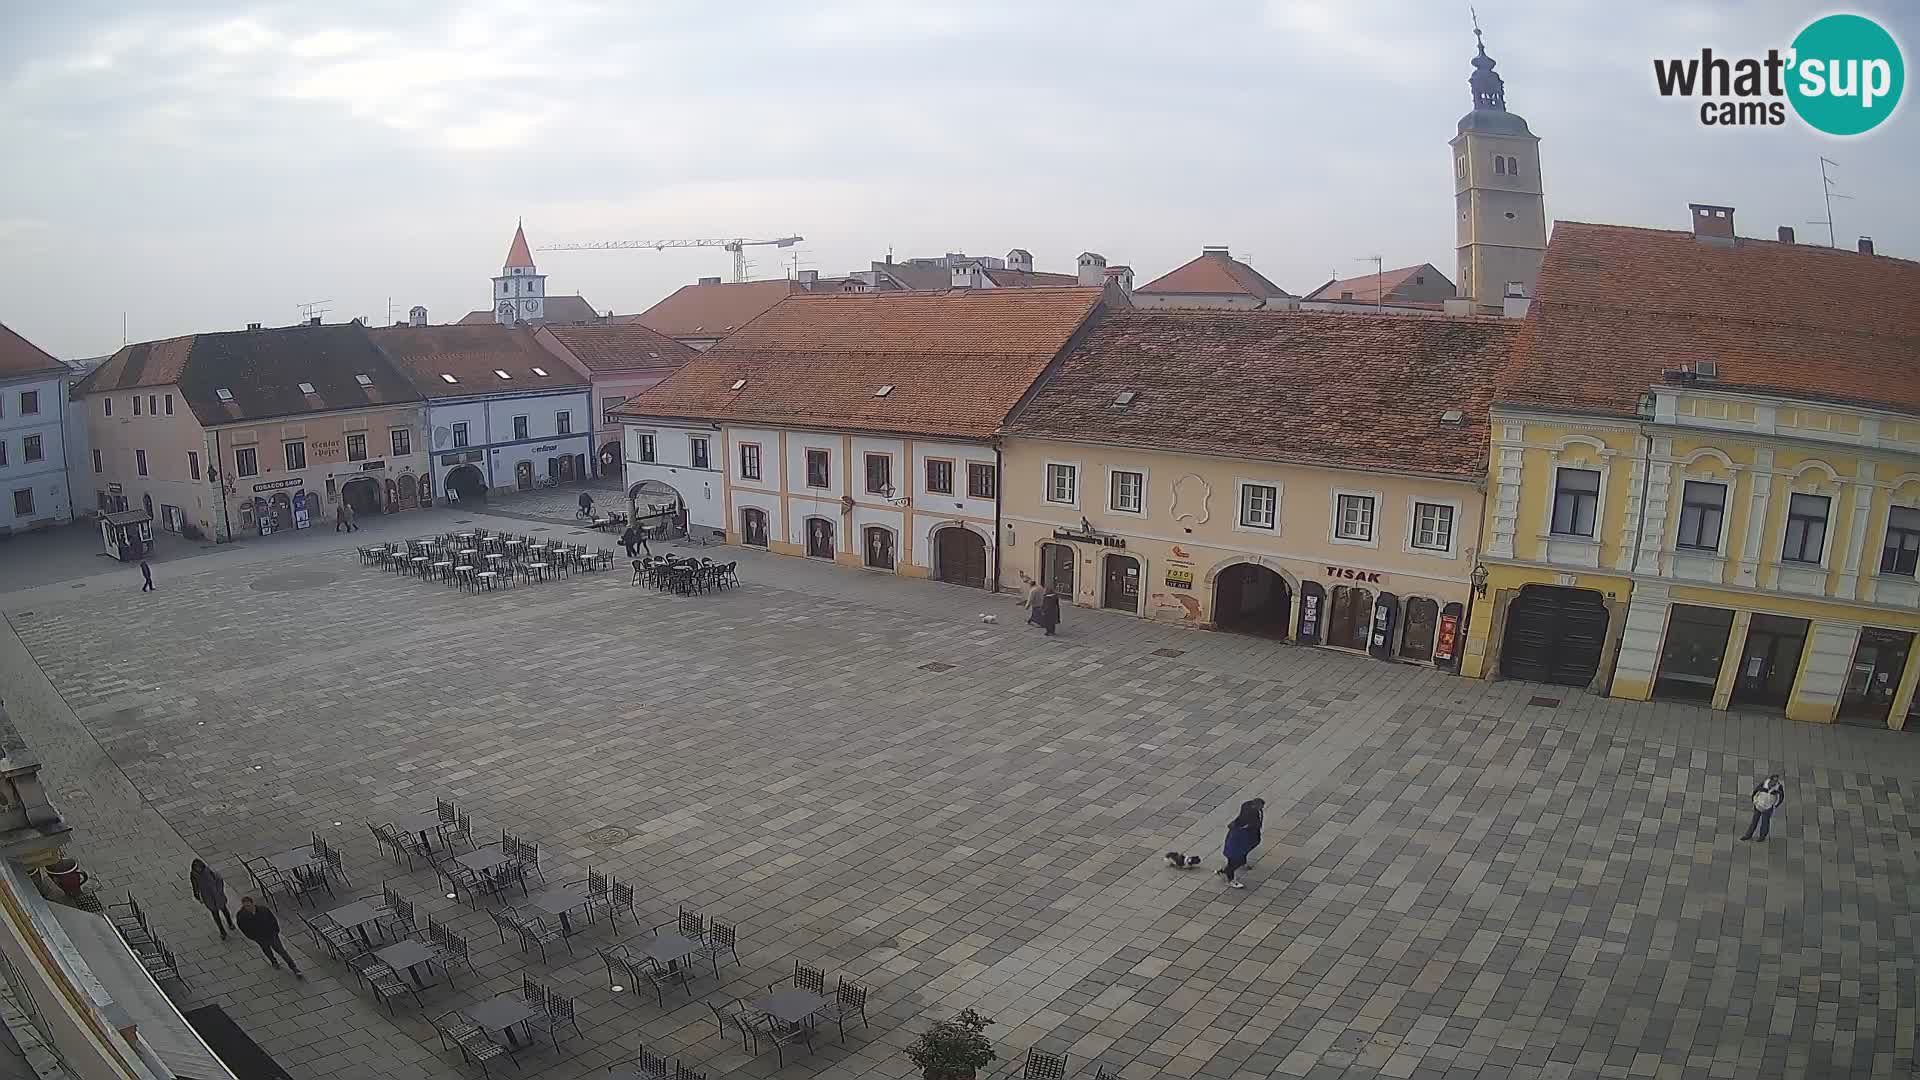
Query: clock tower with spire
(520,292)
(1499,201)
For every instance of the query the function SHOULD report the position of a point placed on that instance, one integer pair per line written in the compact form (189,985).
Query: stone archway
(1252,599)
(465,482)
(657,507)
(362,493)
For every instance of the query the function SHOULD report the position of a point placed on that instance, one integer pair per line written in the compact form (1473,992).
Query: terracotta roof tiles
(621,348)
(1617,306)
(18,356)
(957,361)
(1353,391)
(1214,273)
(713,310)
(473,355)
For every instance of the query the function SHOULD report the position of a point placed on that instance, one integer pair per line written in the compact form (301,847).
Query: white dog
(990,619)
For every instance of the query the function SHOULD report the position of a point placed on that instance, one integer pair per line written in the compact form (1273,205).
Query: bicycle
(546,481)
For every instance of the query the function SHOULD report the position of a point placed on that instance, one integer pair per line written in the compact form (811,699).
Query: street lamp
(1479,579)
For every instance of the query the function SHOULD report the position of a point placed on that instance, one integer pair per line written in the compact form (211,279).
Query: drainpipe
(1646,482)
(66,448)
(999,486)
(220,487)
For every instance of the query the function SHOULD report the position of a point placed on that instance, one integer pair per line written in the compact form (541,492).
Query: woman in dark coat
(211,890)
(1049,612)
(1243,835)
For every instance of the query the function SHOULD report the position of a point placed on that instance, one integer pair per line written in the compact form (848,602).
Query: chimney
(253,326)
(1122,277)
(1514,305)
(313,320)
(1220,251)
(709,281)
(809,278)
(417,316)
(1093,268)
(1866,245)
(1712,224)
(1020,259)
(1786,234)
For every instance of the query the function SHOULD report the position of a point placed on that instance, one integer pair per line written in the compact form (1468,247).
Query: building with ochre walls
(1705,475)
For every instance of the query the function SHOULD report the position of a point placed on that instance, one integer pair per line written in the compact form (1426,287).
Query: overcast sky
(197,166)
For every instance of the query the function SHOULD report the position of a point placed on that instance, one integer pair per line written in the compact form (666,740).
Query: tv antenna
(313,310)
(1376,260)
(1826,190)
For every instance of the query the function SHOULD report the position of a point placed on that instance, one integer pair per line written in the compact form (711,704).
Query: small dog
(990,620)
(1182,862)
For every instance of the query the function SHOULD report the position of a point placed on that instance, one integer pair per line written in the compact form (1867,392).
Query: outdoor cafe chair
(849,1000)
(1044,1066)
(692,924)
(651,1066)
(331,857)
(454,951)
(452,1027)
(505,922)
(308,881)
(721,939)
(461,829)
(622,900)
(806,977)
(528,858)
(536,931)
(622,973)
(462,884)
(533,993)
(735,1012)
(560,1011)
(446,812)
(365,967)
(681,1072)
(477,1049)
(782,1035)
(662,976)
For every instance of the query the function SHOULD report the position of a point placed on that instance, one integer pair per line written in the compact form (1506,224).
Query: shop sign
(1086,535)
(116,489)
(1310,616)
(1179,575)
(372,466)
(1348,573)
(474,455)
(275,485)
(326,450)
(547,449)
(449,459)
(1447,637)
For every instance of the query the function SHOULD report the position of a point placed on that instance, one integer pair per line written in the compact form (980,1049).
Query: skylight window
(446,378)
(884,391)
(1125,398)
(501,373)
(223,394)
(739,384)
(306,388)
(540,371)
(363,380)
(1452,416)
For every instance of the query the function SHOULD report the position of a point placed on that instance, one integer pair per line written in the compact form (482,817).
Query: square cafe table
(291,859)
(355,916)
(791,1005)
(560,900)
(424,822)
(485,861)
(669,949)
(407,956)
(500,1014)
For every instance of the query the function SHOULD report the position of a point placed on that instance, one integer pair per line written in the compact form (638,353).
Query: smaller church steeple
(519,293)
(1489,90)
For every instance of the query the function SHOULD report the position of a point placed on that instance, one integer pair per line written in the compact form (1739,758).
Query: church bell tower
(1500,204)
(520,292)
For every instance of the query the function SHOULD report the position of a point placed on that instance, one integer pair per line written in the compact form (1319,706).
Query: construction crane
(738,246)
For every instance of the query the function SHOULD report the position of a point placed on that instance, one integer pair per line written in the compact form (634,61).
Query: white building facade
(511,441)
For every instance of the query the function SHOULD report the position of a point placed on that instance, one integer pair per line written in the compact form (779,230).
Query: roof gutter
(999,486)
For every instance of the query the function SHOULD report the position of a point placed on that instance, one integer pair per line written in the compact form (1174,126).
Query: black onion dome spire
(1489,90)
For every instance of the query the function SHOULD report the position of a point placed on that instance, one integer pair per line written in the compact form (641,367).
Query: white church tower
(520,292)
(1498,197)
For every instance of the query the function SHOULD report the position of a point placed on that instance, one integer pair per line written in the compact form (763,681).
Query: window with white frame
(749,461)
(1063,484)
(697,448)
(296,454)
(819,469)
(1259,506)
(1901,552)
(1126,491)
(1703,507)
(1432,526)
(1576,502)
(1353,518)
(646,447)
(1806,529)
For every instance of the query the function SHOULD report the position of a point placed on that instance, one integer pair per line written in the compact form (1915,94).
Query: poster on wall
(301,518)
(1179,575)
(1449,636)
(1312,597)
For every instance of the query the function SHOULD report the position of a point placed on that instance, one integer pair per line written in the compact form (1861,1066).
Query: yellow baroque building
(1704,476)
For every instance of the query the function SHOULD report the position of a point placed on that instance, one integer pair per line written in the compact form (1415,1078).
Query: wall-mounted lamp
(1479,579)
(1010,539)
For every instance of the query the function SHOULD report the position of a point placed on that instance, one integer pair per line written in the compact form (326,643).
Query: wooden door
(1056,569)
(1122,591)
(753,527)
(879,548)
(960,556)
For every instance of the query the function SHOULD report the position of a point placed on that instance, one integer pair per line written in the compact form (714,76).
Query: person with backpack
(1243,835)
(1767,797)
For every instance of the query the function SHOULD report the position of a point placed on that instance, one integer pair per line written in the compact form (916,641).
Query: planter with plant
(954,1048)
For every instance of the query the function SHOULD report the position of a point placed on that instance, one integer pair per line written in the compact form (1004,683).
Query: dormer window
(363,380)
(306,388)
(223,394)
(448,379)
(501,373)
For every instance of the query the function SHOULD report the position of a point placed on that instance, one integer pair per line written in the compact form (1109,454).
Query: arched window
(1499,164)
(1513,166)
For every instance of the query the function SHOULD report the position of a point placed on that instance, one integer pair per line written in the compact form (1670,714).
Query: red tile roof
(556,309)
(517,252)
(472,355)
(957,361)
(715,310)
(18,356)
(1031,279)
(261,370)
(621,348)
(1317,388)
(1616,306)
(1214,273)
(1366,287)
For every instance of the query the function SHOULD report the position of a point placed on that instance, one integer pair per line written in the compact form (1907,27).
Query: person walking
(1049,611)
(348,508)
(211,890)
(1767,797)
(263,929)
(1035,600)
(340,518)
(629,539)
(1243,835)
(147,573)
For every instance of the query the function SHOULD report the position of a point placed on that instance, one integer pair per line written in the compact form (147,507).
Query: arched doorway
(1556,635)
(1421,618)
(362,494)
(1122,584)
(612,461)
(465,483)
(1252,599)
(960,556)
(523,475)
(877,547)
(393,496)
(409,493)
(1056,569)
(753,527)
(819,538)
(282,510)
(148,501)
(1349,617)
(565,473)
(659,509)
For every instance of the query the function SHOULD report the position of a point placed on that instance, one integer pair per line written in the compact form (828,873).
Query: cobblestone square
(1453,882)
